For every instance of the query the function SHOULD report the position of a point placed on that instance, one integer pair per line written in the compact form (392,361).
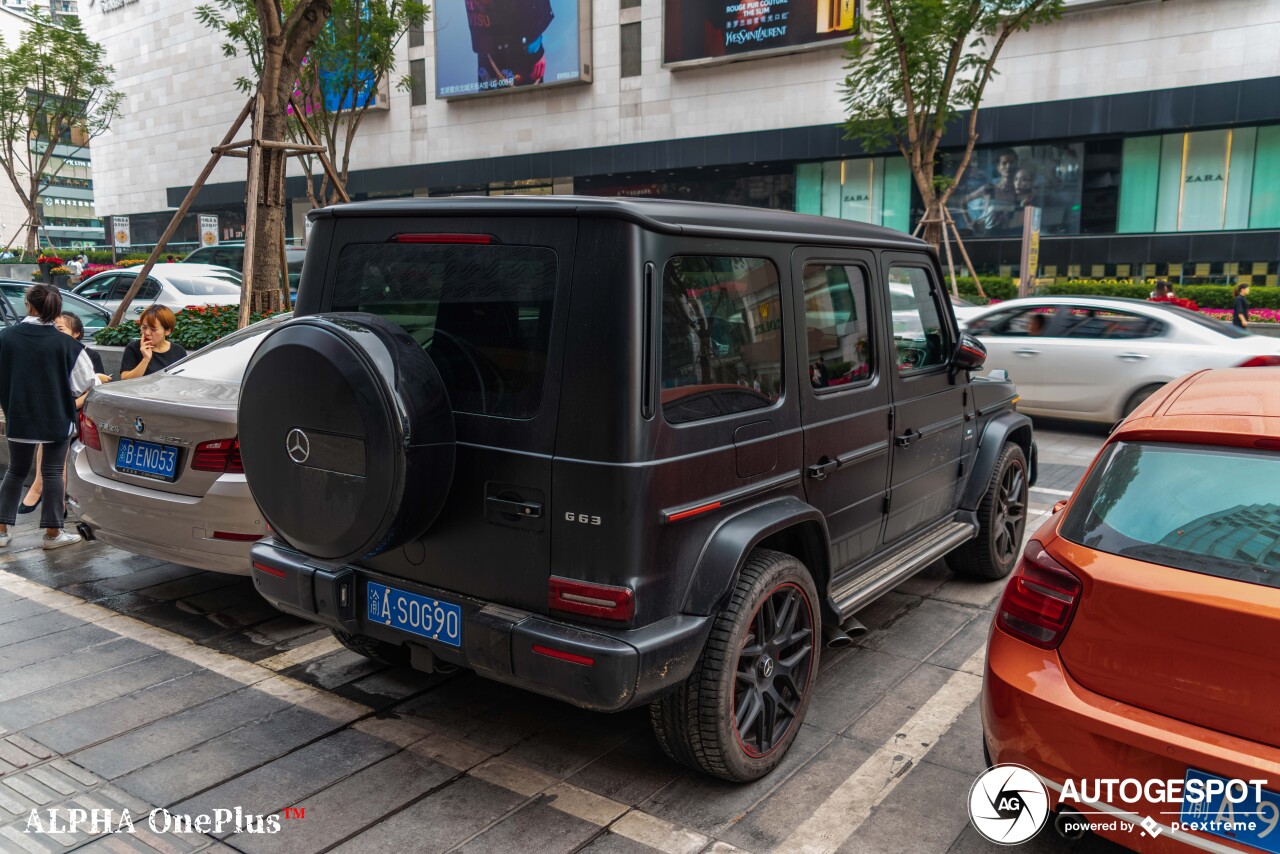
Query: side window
(721,336)
(919,337)
(90,318)
(1035,322)
(150,289)
(99,289)
(837,320)
(1095,323)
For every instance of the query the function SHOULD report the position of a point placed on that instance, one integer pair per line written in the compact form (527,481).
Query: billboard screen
(702,31)
(488,46)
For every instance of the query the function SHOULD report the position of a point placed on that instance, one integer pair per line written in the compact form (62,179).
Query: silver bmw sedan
(157,470)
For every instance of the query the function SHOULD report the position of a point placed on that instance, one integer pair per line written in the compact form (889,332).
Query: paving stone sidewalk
(127,683)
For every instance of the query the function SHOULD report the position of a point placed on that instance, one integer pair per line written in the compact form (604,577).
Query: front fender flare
(1005,427)
(733,539)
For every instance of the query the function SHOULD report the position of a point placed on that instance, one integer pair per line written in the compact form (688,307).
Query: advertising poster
(120,230)
(489,46)
(208,230)
(1001,183)
(698,31)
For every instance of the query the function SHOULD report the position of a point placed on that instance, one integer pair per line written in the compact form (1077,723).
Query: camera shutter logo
(1008,804)
(297,446)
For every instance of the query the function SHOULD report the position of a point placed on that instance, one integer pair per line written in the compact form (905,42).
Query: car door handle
(819,471)
(1026,351)
(527,509)
(1132,357)
(908,437)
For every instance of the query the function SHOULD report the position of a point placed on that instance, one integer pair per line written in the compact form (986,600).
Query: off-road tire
(374,650)
(987,556)
(696,724)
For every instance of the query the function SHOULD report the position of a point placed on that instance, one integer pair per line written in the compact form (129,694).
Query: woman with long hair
(42,372)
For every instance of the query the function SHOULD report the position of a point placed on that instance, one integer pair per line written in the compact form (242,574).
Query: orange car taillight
(89,433)
(1040,600)
(602,601)
(219,455)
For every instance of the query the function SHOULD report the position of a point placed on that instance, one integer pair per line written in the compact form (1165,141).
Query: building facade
(66,201)
(1148,132)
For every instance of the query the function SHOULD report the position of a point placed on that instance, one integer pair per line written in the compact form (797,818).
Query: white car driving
(1097,359)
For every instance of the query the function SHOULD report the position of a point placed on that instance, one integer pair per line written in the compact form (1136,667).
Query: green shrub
(996,287)
(1205,296)
(196,327)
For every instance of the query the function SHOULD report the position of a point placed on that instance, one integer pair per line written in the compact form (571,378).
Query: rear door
(929,423)
(846,405)
(491,314)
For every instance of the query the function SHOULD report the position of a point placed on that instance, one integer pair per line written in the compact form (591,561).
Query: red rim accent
(808,676)
(694,511)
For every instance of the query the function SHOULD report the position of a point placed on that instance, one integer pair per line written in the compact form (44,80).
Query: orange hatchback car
(1134,663)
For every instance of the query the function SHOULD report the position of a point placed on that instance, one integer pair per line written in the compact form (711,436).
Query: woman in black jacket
(42,372)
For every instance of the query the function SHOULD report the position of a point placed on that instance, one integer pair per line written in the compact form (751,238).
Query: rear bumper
(1034,714)
(629,667)
(177,528)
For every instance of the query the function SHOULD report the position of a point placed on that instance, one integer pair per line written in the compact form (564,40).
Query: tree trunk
(269,201)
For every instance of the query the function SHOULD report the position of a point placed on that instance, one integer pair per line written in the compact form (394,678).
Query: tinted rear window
(207,286)
(482,312)
(1204,509)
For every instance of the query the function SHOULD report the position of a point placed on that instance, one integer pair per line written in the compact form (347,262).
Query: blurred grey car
(157,470)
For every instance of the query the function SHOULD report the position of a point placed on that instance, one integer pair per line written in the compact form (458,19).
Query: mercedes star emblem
(297,445)
(138,425)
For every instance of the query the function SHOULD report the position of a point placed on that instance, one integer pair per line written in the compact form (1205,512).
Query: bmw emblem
(138,425)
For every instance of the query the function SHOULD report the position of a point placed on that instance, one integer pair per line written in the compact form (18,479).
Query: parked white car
(174,285)
(1096,359)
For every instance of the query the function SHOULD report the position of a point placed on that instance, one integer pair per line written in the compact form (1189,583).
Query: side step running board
(896,567)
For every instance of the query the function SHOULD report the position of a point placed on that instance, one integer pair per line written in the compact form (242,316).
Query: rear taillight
(89,433)
(1260,362)
(602,601)
(219,455)
(1040,600)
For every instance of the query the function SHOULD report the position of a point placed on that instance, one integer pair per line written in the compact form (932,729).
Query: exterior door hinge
(890,420)
(887,501)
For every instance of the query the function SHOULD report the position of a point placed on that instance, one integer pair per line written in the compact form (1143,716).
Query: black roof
(668,216)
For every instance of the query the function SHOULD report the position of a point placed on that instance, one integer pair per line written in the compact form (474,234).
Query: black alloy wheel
(1002,520)
(739,711)
(773,670)
(1010,512)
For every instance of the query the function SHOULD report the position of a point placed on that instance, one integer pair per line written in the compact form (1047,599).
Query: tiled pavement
(127,683)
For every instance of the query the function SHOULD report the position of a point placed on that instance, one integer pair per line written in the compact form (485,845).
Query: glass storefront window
(1199,181)
(875,190)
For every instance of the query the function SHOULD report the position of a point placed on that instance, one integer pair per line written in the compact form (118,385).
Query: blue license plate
(421,615)
(147,459)
(1254,819)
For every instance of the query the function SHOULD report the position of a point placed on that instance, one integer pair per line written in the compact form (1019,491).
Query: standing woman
(153,351)
(42,372)
(1240,309)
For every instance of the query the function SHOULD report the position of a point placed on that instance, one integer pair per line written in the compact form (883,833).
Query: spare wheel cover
(346,434)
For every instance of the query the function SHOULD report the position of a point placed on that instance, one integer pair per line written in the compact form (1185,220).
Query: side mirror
(970,354)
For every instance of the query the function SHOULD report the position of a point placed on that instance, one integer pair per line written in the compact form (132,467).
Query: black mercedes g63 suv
(623,451)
